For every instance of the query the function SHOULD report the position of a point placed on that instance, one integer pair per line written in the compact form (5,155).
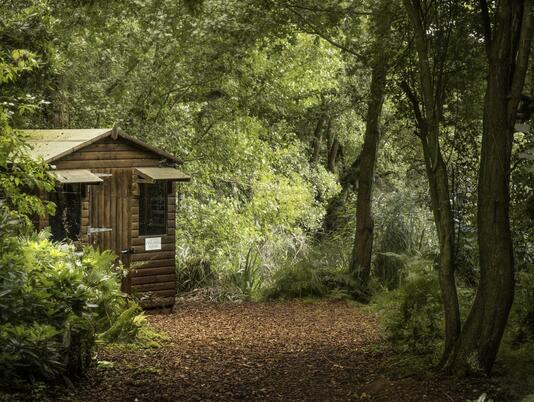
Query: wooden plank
(154,286)
(106,155)
(153,255)
(164,247)
(107,163)
(154,264)
(142,280)
(109,147)
(153,271)
(140,241)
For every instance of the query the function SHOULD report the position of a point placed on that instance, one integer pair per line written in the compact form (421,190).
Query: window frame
(77,190)
(142,225)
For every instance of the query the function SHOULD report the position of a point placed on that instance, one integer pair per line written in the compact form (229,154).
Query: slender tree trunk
(333,146)
(508,49)
(436,169)
(317,139)
(360,264)
(332,155)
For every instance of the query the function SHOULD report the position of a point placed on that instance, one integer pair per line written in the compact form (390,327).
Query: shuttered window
(153,209)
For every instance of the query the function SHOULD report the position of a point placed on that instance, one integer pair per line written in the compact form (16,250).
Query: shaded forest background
(290,114)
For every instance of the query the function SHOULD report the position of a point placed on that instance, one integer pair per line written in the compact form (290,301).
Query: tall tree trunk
(429,128)
(508,47)
(360,264)
(57,110)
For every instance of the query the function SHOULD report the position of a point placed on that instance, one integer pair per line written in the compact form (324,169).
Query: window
(153,209)
(65,224)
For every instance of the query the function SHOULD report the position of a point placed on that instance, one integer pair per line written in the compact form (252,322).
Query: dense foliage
(54,302)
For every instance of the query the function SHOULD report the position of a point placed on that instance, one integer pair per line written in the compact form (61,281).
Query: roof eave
(79,146)
(143,144)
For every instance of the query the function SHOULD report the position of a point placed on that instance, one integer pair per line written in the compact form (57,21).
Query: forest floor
(285,351)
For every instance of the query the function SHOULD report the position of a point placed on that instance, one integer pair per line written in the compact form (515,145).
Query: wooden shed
(116,193)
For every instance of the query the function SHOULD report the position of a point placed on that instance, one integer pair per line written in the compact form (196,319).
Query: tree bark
(508,48)
(360,264)
(333,146)
(428,119)
(317,139)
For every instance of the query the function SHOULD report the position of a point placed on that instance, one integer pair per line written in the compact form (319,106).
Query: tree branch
(412,97)
(486,25)
(523,54)
(316,31)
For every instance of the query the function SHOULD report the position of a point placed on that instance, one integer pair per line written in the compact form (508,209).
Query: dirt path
(266,351)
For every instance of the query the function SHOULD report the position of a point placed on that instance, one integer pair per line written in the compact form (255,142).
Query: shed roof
(53,144)
(162,173)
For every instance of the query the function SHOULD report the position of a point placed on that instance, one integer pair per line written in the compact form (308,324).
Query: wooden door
(109,214)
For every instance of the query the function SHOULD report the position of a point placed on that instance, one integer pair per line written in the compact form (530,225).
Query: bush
(53,302)
(302,280)
(413,312)
(247,279)
(193,274)
(521,325)
(127,325)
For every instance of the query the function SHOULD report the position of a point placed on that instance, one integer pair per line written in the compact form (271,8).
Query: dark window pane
(65,224)
(153,209)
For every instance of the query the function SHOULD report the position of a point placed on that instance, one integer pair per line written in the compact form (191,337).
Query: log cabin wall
(152,273)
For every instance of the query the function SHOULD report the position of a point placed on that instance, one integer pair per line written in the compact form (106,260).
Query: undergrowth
(55,301)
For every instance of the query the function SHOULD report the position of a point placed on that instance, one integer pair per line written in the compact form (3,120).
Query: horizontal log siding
(109,153)
(153,274)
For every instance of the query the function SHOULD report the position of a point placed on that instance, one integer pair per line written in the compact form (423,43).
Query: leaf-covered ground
(282,351)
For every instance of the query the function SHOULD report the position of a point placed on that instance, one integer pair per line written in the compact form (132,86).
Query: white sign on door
(152,243)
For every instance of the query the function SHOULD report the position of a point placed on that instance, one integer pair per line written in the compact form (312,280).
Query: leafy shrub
(303,280)
(127,325)
(247,279)
(53,302)
(193,274)
(295,281)
(521,324)
(413,312)
(403,227)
